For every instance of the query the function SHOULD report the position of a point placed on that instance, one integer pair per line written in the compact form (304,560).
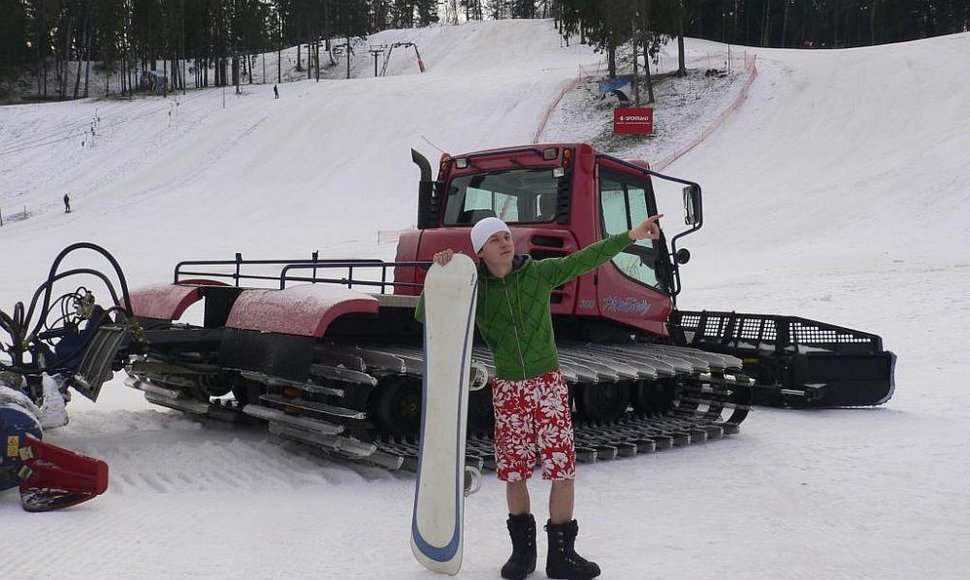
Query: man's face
(498,250)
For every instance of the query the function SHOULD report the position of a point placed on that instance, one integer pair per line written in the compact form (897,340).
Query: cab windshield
(515,196)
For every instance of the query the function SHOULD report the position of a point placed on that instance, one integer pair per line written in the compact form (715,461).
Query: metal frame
(288,266)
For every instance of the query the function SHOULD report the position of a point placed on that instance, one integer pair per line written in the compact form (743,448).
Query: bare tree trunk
(649,77)
(636,75)
(872,22)
(62,77)
(87,63)
(766,24)
(835,23)
(87,66)
(611,59)
(59,88)
(40,67)
(57,71)
(681,59)
(784,25)
(77,77)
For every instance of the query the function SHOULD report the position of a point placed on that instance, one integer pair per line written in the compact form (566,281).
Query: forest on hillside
(206,42)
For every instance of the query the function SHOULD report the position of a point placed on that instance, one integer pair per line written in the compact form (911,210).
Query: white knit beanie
(484,230)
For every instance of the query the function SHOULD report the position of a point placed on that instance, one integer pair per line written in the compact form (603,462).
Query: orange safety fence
(572,85)
(751,69)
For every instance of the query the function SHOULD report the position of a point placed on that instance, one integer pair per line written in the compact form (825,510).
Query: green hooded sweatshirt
(513,314)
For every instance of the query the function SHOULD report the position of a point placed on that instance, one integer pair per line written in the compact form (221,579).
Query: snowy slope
(159,170)
(838,192)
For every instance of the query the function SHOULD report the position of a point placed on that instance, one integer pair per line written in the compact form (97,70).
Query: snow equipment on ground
(55,478)
(49,477)
(437,521)
(54,344)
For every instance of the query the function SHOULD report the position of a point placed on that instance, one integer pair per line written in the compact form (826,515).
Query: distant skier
(276,91)
(67,203)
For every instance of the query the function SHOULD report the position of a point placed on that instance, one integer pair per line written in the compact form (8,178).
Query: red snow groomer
(327,352)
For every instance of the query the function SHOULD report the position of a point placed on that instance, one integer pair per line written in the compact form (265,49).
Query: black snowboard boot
(522,562)
(563,561)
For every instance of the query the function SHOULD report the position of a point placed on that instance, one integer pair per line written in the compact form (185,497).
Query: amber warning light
(633,120)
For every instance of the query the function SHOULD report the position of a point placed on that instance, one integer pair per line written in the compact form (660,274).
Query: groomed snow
(838,191)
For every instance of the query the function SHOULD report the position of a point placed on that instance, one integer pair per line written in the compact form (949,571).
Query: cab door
(634,288)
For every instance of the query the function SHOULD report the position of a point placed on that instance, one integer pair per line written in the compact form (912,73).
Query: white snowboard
(450,294)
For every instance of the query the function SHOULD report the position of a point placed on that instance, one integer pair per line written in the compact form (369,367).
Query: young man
(529,395)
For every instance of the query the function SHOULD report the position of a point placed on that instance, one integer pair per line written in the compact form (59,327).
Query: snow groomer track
(362,402)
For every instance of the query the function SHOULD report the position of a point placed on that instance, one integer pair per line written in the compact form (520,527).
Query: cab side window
(624,204)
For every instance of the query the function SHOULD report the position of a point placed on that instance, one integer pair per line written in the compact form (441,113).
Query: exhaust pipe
(428,201)
(422,162)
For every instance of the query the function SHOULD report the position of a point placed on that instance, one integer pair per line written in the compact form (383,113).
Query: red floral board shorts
(532,422)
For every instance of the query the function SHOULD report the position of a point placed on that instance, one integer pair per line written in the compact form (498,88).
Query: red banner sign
(633,120)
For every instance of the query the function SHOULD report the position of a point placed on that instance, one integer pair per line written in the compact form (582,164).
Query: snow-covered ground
(838,191)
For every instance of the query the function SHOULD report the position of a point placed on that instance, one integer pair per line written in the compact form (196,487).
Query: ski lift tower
(405,45)
(376,50)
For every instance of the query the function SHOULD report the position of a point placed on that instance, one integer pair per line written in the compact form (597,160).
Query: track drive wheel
(603,402)
(652,397)
(209,386)
(481,415)
(397,405)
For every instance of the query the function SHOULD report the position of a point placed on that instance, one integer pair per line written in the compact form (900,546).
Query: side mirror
(692,205)
(682,256)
